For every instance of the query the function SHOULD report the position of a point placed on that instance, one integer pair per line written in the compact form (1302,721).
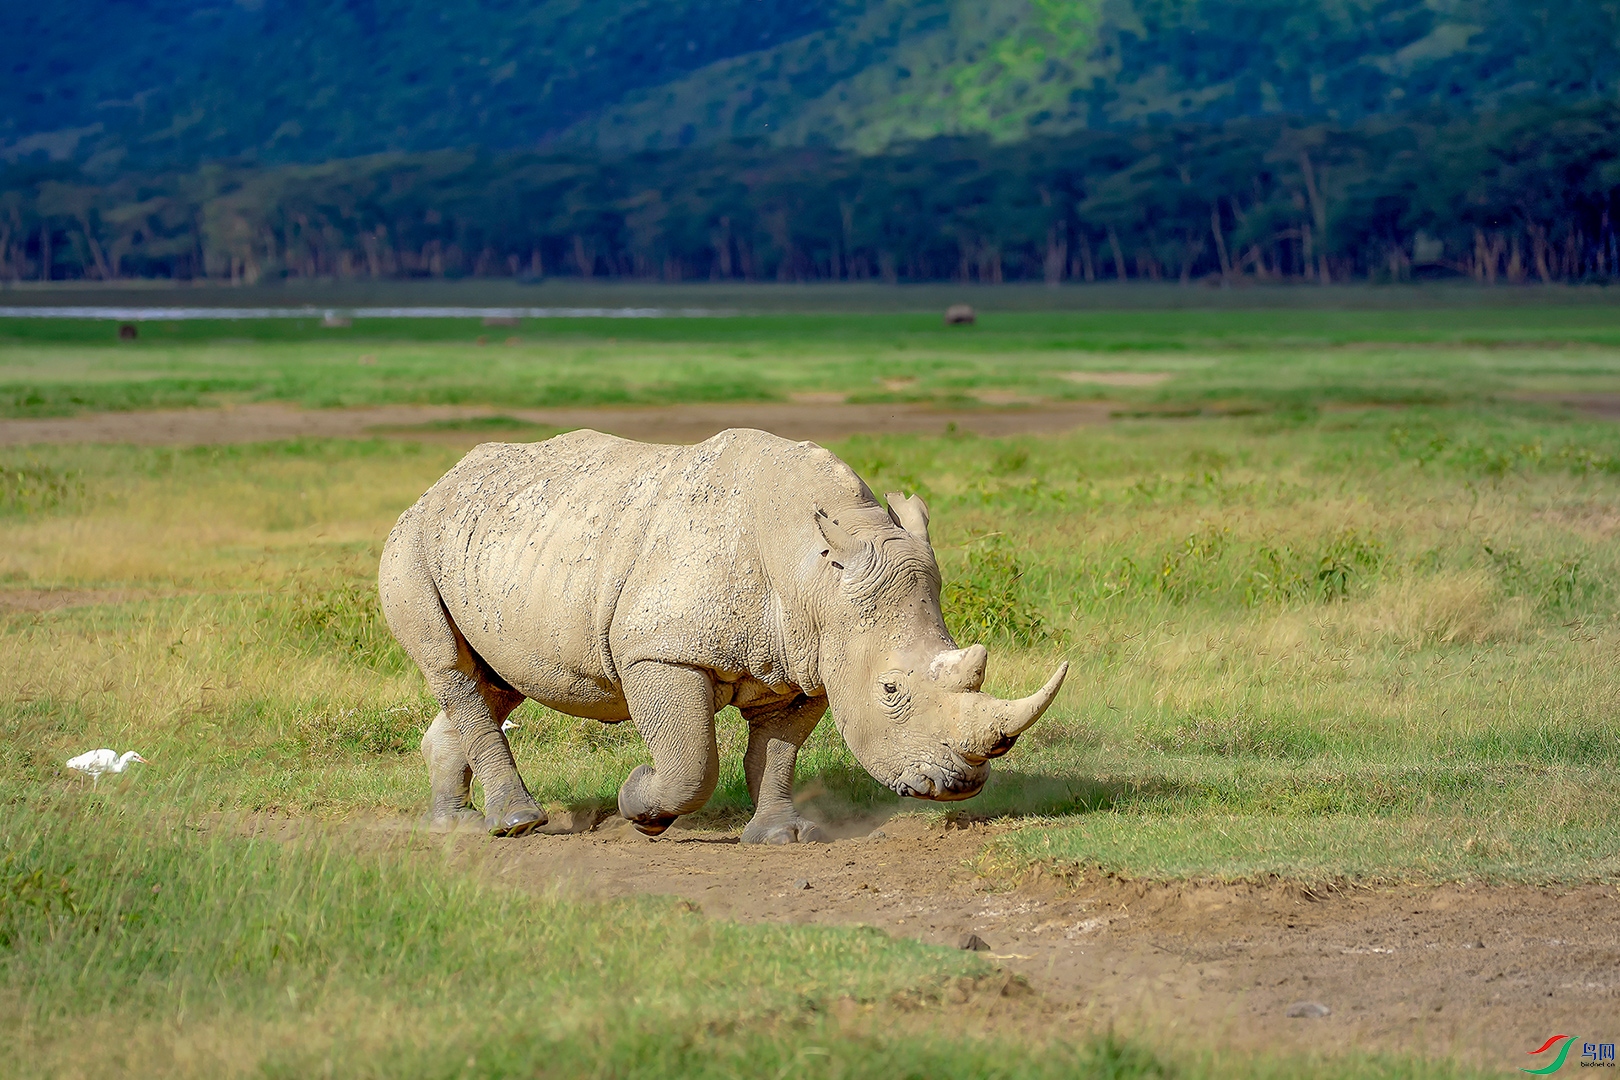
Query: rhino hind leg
(474,699)
(449,774)
(774,738)
(673,708)
(477,706)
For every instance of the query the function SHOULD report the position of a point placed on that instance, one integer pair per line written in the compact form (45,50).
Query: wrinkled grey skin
(618,580)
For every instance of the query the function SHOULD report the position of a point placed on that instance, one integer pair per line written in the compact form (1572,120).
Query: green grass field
(1373,349)
(1351,616)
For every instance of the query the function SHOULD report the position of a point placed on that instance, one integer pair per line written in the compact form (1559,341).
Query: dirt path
(809,417)
(654,423)
(35,601)
(1482,974)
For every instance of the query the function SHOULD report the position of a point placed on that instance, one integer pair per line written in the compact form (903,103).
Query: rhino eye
(889,688)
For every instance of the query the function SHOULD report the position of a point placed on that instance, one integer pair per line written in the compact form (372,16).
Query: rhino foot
(795,830)
(516,821)
(447,820)
(653,826)
(513,815)
(636,803)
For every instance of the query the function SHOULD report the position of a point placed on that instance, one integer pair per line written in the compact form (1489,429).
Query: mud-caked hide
(766,565)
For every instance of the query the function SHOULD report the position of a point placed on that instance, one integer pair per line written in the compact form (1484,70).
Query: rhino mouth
(941,783)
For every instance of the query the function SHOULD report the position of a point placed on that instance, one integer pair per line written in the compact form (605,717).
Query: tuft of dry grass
(1445,608)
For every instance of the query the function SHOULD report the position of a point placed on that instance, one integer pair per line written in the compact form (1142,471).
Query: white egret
(508,726)
(96,762)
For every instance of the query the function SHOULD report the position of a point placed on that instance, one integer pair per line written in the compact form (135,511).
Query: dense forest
(1523,194)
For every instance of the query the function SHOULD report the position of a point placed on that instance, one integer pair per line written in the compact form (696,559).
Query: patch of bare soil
(1601,405)
(818,420)
(42,600)
(1118,378)
(1479,973)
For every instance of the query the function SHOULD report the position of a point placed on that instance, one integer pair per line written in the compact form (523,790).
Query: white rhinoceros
(619,580)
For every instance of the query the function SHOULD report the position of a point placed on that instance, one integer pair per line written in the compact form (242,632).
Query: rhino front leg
(673,708)
(774,738)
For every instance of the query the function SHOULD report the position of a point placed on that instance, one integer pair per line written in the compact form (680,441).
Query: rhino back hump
(563,561)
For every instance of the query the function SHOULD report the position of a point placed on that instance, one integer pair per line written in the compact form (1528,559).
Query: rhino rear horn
(910,514)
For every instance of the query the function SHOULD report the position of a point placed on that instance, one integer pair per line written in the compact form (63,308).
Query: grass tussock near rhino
(1374,644)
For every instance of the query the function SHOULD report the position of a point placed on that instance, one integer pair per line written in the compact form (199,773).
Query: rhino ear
(910,514)
(842,548)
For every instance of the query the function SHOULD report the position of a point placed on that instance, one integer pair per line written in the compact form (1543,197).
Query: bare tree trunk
(1119,255)
(888,269)
(1057,255)
(720,240)
(45,240)
(584,258)
(1189,255)
(1515,265)
(1318,205)
(1220,243)
(1258,258)
(1307,254)
(846,216)
(1086,264)
(1400,265)
(991,259)
(1487,254)
(96,253)
(1538,253)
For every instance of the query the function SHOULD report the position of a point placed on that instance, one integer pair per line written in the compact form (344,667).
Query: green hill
(1014,68)
(165,82)
(174,82)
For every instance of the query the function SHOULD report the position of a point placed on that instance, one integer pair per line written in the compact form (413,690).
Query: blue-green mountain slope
(910,69)
(146,83)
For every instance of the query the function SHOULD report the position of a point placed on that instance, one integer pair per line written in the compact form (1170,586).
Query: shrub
(396,730)
(345,617)
(1190,569)
(989,602)
(1348,555)
(33,489)
(1552,583)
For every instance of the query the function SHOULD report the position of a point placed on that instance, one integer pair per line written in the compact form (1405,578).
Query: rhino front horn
(993,724)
